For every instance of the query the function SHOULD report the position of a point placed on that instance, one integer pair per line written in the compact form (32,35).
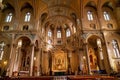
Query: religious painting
(59,61)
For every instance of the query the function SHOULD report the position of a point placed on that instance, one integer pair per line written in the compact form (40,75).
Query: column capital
(85,43)
(32,44)
(14,45)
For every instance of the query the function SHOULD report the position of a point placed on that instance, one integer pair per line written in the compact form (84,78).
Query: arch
(91,4)
(58,20)
(52,26)
(73,16)
(117,3)
(26,6)
(67,26)
(47,24)
(96,53)
(48,27)
(49,19)
(23,48)
(43,17)
(109,5)
(6,38)
(96,36)
(21,36)
(8,6)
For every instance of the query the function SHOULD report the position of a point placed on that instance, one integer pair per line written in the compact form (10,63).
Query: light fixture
(34,58)
(5,62)
(84,57)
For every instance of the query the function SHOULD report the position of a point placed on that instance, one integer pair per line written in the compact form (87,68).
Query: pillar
(17,59)
(54,36)
(69,62)
(87,58)
(37,62)
(63,35)
(101,59)
(12,60)
(41,54)
(80,60)
(32,60)
(106,58)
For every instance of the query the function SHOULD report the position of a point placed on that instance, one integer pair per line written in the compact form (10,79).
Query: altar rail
(88,77)
(94,77)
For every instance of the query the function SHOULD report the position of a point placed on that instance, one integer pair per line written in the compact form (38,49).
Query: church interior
(59,37)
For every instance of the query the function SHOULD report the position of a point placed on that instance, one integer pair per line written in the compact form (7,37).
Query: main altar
(59,62)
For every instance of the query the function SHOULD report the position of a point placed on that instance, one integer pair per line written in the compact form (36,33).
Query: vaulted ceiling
(61,11)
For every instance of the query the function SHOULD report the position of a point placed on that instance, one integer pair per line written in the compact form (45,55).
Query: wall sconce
(5,63)
(34,58)
(84,57)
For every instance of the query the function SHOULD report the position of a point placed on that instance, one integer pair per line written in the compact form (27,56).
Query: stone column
(63,35)
(17,59)
(12,59)
(80,60)
(50,63)
(9,62)
(37,62)
(69,62)
(106,57)
(41,52)
(54,36)
(87,58)
(101,59)
(32,60)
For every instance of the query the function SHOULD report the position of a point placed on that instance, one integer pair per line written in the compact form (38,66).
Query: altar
(59,63)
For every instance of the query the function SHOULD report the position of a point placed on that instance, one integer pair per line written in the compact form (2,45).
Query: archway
(95,53)
(23,55)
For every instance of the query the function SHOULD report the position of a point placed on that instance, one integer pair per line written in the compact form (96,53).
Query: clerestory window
(27,17)
(67,32)
(90,15)
(106,16)
(58,34)
(9,17)
(49,33)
